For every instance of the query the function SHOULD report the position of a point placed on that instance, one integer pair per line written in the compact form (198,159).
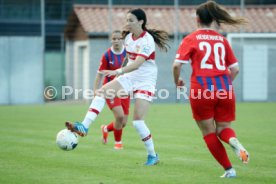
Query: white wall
(256,55)
(21,70)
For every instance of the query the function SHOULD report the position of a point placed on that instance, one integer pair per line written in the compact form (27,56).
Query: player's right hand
(180,82)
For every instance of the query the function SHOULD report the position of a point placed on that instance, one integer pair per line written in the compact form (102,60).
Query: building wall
(272,73)
(69,57)
(21,70)
(238,45)
(54,71)
(97,46)
(82,61)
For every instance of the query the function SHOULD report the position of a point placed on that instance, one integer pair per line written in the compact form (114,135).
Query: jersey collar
(206,29)
(141,35)
(121,51)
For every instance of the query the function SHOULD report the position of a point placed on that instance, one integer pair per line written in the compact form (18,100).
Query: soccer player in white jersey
(138,77)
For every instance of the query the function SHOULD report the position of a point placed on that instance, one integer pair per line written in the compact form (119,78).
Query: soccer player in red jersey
(214,67)
(113,59)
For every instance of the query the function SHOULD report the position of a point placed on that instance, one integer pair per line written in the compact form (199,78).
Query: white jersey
(142,81)
(143,46)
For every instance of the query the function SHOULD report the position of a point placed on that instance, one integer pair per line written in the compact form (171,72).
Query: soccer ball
(67,140)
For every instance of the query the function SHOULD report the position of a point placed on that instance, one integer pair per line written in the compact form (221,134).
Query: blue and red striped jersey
(111,61)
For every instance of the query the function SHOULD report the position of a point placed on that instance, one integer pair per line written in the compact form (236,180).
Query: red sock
(226,134)
(110,127)
(118,135)
(218,151)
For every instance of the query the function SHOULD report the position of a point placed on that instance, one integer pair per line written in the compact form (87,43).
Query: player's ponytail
(160,37)
(125,33)
(211,11)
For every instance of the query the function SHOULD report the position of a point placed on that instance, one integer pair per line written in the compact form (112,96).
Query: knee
(120,118)
(218,130)
(221,127)
(124,122)
(208,130)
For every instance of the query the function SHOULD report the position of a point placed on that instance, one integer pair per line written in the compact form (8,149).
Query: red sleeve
(103,64)
(230,58)
(184,51)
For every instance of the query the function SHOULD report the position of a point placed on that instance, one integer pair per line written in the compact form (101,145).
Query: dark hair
(211,11)
(160,37)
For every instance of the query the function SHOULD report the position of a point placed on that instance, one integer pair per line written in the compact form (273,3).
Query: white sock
(97,104)
(144,133)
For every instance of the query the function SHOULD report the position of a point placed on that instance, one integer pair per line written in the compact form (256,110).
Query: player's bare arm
(129,68)
(125,61)
(98,81)
(176,73)
(234,72)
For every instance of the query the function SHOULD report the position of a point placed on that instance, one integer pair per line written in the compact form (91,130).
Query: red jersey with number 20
(210,55)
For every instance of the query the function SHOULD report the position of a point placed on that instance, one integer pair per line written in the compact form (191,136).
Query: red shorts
(220,107)
(124,102)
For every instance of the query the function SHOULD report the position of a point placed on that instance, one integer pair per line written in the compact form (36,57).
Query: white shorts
(138,89)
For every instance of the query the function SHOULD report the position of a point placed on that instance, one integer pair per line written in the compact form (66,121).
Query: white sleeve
(147,48)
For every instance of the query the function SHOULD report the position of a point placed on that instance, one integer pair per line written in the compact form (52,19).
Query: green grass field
(29,155)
